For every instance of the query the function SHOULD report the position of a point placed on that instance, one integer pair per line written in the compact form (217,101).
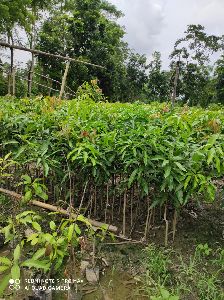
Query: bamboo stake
(30,76)
(9,83)
(107,202)
(174,224)
(13,81)
(62,211)
(95,204)
(167,226)
(148,220)
(64,80)
(124,212)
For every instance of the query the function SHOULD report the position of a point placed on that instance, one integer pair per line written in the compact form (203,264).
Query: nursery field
(122,168)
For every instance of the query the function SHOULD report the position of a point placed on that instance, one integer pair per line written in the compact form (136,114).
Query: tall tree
(192,55)
(88,32)
(219,80)
(157,87)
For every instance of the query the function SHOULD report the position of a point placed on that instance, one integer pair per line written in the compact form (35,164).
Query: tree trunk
(175,82)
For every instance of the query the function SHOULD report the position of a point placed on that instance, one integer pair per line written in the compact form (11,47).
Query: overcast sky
(155,25)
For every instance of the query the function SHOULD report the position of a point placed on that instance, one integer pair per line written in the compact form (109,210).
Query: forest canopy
(89,30)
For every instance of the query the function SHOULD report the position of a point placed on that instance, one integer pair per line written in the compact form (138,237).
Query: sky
(155,25)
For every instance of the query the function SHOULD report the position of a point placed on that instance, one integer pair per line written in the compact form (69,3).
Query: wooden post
(64,80)
(30,76)
(12,59)
(13,81)
(49,81)
(9,83)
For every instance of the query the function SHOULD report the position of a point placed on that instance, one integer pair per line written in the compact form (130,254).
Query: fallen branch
(56,209)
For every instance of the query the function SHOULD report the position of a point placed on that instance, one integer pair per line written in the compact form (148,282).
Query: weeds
(169,275)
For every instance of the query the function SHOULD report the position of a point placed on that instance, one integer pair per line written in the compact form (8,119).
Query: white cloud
(155,25)
(143,21)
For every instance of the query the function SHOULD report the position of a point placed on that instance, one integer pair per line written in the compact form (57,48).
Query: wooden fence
(68,60)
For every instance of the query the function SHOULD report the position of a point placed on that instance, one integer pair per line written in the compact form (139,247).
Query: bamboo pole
(167,226)
(30,76)
(9,83)
(124,212)
(61,211)
(38,52)
(13,81)
(64,80)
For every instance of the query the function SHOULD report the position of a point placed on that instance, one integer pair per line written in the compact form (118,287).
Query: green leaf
(32,236)
(25,213)
(144,186)
(197,156)
(180,196)
(34,241)
(4,282)
(81,218)
(53,225)
(36,226)
(93,161)
(60,240)
(39,254)
(132,177)
(211,189)
(37,264)
(59,262)
(104,227)
(4,268)
(165,162)
(164,293)
(7,155)
(211,154)
(70,231)
(187,181)
(15,272)
(145,158)
(217,164)
(5,260)
(49,238)
(44,196)
(17,253)
(27,179)
(77,229)
(212,140)
(180,166)
(28,195)
(85,156)
(46,169)
(167,171)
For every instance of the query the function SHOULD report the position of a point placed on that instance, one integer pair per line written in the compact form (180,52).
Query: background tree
(88,33)
(192,52)
(157,87)
(219,80)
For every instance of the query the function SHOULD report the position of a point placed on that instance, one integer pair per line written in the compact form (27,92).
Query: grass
(170,275)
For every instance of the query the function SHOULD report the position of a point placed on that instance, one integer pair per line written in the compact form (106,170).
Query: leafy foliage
(170,155)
